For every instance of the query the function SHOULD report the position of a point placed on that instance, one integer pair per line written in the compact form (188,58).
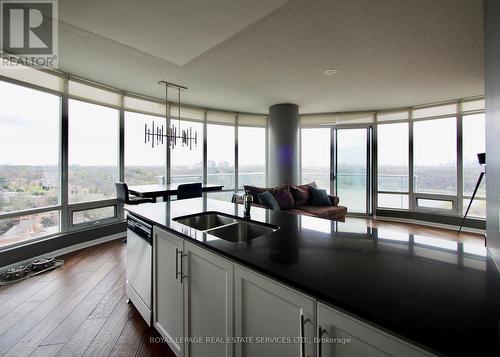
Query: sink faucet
(247,202)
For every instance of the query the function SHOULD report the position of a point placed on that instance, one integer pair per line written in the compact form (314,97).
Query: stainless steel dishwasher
(139,266)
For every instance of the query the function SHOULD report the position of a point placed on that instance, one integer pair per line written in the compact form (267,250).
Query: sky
(31,127)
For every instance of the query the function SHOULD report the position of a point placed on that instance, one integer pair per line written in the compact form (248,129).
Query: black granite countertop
(441,295)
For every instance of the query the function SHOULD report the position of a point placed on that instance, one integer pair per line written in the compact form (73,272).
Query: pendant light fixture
(156,135)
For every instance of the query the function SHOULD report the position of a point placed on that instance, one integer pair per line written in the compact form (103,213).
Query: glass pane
(251,156)
(29,143)
(24,228)
(392,154)
(187,165)
(93,151)
(351,168)
(438,204)
(93,214)
(473,144)
(435,154)
(220,155)
(477,210)
(389,200)
(221,196)
(143,164)
(316,147)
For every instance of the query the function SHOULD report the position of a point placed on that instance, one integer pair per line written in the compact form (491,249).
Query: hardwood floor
(77,310)
(441,233)
(81,310)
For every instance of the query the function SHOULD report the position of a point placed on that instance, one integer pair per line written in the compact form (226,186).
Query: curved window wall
(415,159)
(422,159)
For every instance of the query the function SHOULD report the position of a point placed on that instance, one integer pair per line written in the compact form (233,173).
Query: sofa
(296,199)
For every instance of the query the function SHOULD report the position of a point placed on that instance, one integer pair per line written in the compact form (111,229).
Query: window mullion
(64,157)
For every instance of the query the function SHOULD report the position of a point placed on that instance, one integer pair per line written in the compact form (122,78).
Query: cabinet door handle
(182,266)
(176,263)
(320,334)
(302,335)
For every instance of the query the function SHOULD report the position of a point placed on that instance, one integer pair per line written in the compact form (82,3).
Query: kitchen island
(441,297)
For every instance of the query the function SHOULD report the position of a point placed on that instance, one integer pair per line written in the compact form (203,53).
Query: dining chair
(122,194)
(189,190)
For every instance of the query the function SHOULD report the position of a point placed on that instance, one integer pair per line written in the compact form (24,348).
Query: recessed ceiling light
(329,72)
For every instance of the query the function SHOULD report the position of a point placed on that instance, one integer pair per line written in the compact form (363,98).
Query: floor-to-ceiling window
(93,151)
(435,152)
(144,163)
(221,151)
(187,161)
(93,154)
(220,155)
(393,165)
(473,133)
(30,163)
(251,156)
(351,168)
(316,160)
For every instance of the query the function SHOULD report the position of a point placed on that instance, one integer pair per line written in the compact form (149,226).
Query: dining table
(166,190)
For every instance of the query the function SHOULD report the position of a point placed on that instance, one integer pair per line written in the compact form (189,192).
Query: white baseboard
(430,224)
(71,248)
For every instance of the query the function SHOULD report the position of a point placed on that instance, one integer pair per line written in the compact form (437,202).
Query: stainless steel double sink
(227,227)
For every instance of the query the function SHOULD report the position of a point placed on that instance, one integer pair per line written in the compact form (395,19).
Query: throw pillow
(319,197)
(268,200)
(254,191)
(301,194)
(284,198)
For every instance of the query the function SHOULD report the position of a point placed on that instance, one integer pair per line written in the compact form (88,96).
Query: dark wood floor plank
(108,303)
(7,305)
(71,323)
(104,342)
(81,339)
(152,345)
(62,303)
(16,314)
(23,326)
(67,278)
(129,342)
(35,336)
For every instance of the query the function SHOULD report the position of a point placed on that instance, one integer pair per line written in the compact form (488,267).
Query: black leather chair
(123,196)
(189,190)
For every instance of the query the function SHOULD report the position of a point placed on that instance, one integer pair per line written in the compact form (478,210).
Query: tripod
(472,199)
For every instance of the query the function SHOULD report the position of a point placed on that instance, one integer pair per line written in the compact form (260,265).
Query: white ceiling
(175,30)
(247,55)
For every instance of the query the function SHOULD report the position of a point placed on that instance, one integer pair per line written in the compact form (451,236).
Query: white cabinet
(266,309)
(208,302)
(343,336)
(168,292)
(192,297)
